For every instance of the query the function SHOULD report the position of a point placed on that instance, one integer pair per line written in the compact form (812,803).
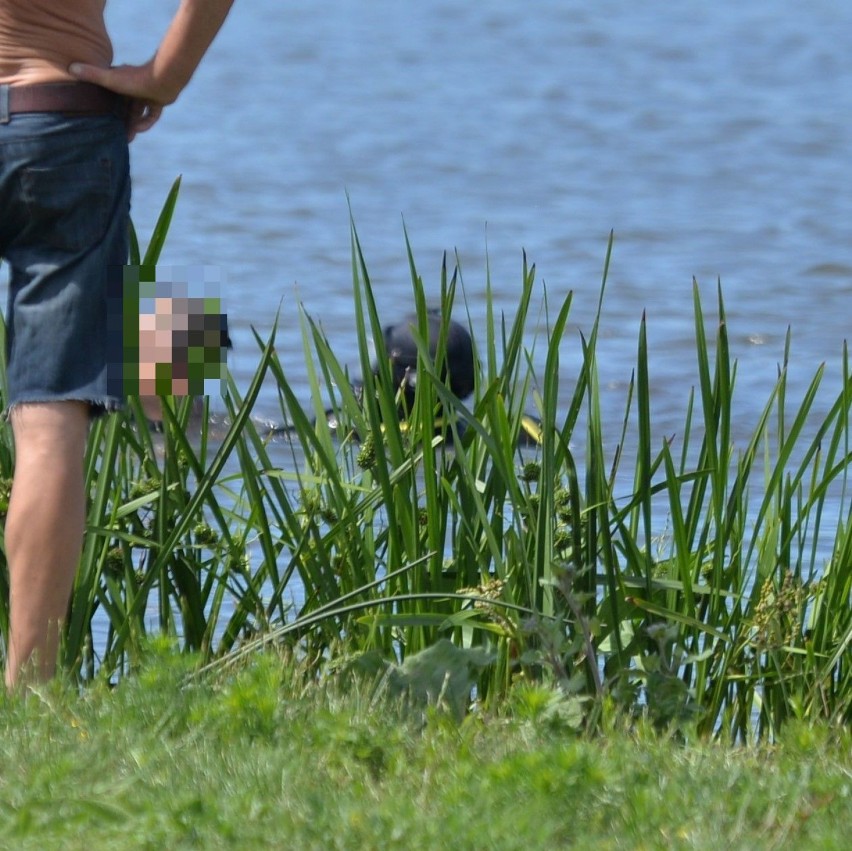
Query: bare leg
(153,408)
(44,531)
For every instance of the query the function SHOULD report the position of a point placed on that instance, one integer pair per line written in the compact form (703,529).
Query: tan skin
(45,522)
(158,82)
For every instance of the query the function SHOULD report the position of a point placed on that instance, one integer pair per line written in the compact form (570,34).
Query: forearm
(161,79)
(192,30)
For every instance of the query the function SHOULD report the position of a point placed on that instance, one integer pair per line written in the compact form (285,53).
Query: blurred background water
(712,138)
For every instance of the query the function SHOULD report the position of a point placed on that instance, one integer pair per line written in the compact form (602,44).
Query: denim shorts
(64,215)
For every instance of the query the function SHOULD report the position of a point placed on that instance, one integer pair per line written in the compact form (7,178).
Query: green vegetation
(706,589)
(266,757)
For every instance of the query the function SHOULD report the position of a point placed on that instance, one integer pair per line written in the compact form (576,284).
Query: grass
(494,645)
(268,756)
(455,551)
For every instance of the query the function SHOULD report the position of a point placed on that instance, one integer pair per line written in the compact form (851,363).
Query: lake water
(713,139)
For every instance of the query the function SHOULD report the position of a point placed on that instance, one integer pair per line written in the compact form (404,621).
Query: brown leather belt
(69,98)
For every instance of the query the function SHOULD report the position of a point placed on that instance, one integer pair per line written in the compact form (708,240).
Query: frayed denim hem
(97,407)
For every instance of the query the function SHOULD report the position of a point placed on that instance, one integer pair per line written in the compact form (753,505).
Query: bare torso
(40,38)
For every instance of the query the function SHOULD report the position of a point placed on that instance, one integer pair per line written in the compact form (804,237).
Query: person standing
(66,118)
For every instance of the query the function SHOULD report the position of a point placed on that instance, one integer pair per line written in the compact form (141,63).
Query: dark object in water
(457,372)
(457,369)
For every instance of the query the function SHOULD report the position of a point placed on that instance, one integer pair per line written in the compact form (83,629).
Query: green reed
(729,622)
(693,587)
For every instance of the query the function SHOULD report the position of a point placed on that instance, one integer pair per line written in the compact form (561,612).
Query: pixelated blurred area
(168,332)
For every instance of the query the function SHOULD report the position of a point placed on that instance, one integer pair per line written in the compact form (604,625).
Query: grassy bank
(706,585)
(263,758)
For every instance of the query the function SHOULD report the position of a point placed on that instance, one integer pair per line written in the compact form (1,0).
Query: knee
(49,428)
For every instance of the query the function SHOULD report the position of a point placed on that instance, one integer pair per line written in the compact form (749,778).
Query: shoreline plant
(450,561)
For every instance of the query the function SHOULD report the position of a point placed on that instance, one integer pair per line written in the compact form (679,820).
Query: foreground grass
(257,758)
